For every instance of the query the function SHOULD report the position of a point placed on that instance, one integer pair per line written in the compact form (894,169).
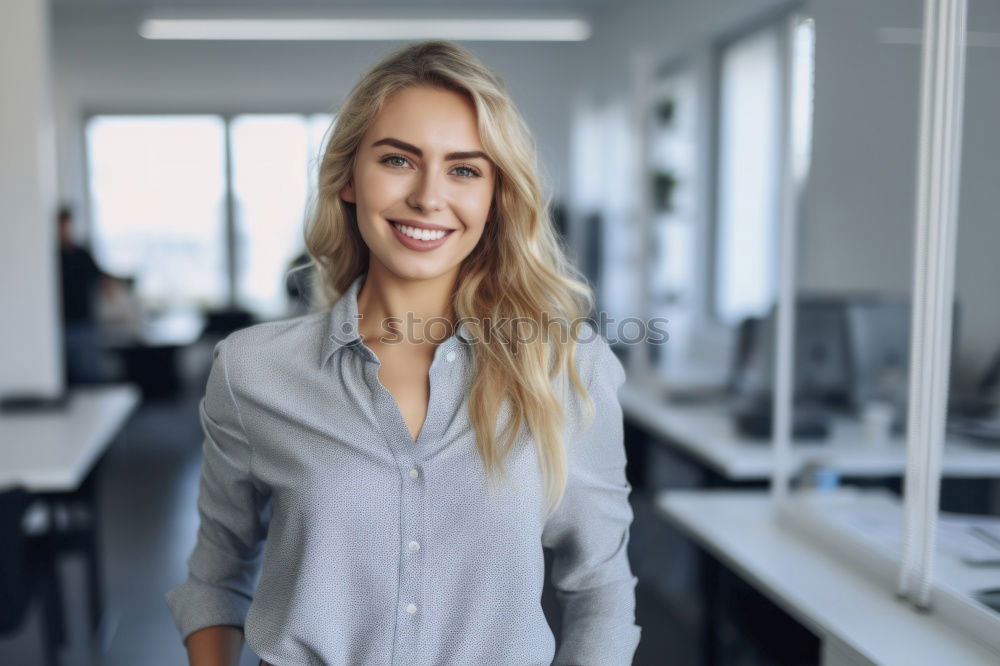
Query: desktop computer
(850,350)
(820,369)
(821,363)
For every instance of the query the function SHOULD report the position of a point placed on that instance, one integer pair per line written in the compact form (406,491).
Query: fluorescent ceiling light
(354,29)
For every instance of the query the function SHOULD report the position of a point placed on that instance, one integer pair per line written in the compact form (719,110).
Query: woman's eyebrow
(409,147)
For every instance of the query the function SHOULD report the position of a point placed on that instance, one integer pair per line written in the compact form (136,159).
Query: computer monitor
(879,331)
(849,350)
(822,357)
(880,350)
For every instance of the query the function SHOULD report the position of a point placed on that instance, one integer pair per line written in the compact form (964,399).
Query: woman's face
(421,163)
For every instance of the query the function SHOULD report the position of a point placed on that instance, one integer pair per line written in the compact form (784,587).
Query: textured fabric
(334,538)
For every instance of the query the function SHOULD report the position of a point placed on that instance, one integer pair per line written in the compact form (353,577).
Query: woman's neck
(408,311)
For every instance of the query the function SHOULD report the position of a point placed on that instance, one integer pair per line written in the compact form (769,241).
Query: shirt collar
(342,322)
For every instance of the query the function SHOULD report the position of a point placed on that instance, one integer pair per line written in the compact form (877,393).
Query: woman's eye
(470,172)
(400,161)
(390,160)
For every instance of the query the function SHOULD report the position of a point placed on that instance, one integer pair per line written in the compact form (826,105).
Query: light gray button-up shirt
(334,538)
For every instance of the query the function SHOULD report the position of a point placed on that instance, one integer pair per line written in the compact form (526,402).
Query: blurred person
(376,496)
(298,283)
(83,282)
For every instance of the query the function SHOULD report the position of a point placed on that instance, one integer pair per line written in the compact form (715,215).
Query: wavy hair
(517,274)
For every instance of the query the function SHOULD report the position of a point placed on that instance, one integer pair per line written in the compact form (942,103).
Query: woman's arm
(215,646)
(222,568)
(588,533)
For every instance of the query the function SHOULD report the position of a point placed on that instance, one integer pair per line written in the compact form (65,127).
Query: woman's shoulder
(594,357)
(281,333)
(275,344)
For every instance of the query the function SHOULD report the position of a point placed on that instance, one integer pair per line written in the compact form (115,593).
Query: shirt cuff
(196,605)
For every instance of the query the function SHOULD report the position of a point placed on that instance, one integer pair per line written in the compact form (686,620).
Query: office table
(55,455)
(855,619)
(706,434)
(149,348)
(54,451)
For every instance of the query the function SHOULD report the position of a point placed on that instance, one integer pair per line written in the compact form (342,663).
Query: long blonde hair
(518,272)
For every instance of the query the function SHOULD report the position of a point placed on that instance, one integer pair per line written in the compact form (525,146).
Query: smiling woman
(432,191)
(395,486)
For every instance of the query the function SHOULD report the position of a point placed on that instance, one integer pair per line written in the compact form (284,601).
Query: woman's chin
(417,268)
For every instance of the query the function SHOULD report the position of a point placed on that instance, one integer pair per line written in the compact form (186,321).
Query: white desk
(178,328)
(706,433)
(53,451)
(53,454)
(858,622)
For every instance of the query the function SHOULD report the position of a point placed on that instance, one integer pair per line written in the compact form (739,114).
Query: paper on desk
(972,538)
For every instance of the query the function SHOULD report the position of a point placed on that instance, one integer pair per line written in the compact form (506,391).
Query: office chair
(27,571)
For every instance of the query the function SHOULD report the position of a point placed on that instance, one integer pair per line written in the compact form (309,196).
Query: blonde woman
(410,447)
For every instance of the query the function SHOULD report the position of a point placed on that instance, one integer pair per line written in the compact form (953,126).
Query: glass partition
(865,388)
(973,408)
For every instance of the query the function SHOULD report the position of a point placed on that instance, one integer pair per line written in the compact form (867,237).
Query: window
(748,175)
(159,187)
(601,181)
(274,159)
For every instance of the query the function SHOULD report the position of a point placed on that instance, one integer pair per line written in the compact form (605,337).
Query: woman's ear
(347,192)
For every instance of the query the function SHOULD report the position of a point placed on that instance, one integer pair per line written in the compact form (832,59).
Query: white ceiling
(478,5)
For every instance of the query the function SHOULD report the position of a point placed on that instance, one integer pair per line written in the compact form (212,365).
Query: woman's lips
(418,245)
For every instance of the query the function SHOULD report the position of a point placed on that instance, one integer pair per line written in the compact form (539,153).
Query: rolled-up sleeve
(589,531)
(222,567)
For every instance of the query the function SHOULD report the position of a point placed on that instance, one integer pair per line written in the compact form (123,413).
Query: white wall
(858,230)
(30,352)
(103,65)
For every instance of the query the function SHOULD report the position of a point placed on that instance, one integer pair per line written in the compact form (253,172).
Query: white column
(796,150)
(30,335)
(941,101)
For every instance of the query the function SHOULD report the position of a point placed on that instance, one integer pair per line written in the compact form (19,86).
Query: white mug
(877,418)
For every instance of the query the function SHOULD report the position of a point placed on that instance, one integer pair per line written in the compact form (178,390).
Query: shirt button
(411,609)
(414,473)
(450,356)
(414,546)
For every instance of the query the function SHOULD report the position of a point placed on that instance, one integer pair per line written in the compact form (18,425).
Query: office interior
(700,157)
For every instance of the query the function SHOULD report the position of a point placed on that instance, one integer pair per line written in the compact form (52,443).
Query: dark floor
(148,490)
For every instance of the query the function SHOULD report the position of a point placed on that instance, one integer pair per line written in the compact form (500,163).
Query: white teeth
(420,234)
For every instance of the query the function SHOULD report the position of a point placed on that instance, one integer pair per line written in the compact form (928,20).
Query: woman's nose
(427,195)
